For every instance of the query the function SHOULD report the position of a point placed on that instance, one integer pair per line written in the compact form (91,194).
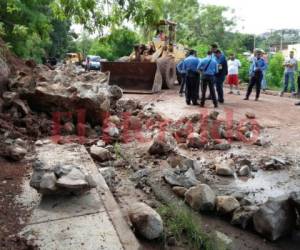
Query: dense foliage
(117,44)
(275,70)
(42,28)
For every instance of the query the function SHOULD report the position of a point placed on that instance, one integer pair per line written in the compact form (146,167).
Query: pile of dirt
(13,216)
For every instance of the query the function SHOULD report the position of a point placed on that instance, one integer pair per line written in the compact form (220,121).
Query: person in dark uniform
(189,66)
(181,75)
(257,67)
(221,75)
(208,67)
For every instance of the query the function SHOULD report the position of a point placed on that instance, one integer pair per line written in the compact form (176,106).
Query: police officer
(221,75)
(192,78)
(208,67)
(181,75)
(257,67)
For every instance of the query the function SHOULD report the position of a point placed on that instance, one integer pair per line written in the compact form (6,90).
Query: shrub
(119,43)
(244,70)
(275,71)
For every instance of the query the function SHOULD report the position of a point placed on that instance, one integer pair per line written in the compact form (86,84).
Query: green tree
(61,38)
(244,70)
(26,26)
(119,43)
(186,15)
(275,71)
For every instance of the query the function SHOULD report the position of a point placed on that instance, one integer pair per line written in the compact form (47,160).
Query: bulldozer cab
(137,75)
(168,28)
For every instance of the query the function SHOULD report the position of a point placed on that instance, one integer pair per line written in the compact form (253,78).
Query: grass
(180,223)
(117,149)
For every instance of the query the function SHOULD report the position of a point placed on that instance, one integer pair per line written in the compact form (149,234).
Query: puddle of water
(265,184)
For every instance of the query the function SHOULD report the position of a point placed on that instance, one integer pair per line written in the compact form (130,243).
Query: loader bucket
(134,77)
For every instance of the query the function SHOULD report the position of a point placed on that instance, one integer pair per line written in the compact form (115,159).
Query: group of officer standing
(210,72)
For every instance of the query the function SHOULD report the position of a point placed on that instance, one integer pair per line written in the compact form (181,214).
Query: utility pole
(254,42)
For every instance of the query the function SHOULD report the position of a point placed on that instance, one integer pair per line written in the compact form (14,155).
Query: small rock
(20,142)
(213,115)
(275,218)
(115,92)
(186,179)
(100,143)
(262,141)
(16,152)
(179,191)
(201,198)
(120,163)
(9,97)
(112,131)
(162,144)
(138,175)
(69,128)
(108,174)
(135,123)
(244,162)
(100,154)
(250,115)
(222,146)
(115,119)
(39,143)
(225,168)
(226,204)
(194,141)
(242,216)
(146,221)
(244,171)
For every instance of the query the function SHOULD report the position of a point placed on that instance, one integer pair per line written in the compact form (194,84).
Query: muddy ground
(13,215)
(281,120)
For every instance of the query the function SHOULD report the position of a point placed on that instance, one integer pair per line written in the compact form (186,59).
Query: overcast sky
(259,16)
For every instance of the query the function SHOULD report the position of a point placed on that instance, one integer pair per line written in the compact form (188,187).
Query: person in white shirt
(233,73)
(291,67)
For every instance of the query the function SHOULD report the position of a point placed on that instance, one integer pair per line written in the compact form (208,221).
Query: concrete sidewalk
(90,221)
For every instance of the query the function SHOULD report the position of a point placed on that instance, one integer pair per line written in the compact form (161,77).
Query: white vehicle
(92,62)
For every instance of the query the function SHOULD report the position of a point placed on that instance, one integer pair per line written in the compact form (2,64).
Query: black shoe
(246,98)
(221,101)
(256,99)
(201,105)
(188,102)
(195,103)
(216,105)
(297,103)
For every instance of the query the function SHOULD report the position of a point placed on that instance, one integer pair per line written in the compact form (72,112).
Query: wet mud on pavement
(281,121)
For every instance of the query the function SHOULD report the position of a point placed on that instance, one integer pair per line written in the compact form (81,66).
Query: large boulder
(92,98)
(146,221)
(60,179)
(201,198)
(275,218)
(162,144)
(226,204)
